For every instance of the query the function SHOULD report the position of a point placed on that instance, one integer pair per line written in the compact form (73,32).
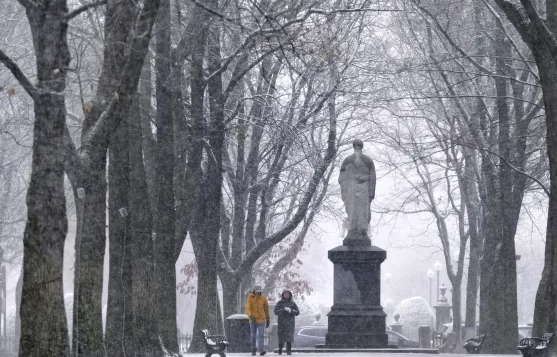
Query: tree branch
(272,239)
(107,123)
(450,40)
(234,81)
(510,38)
(540,27)
(516,15)
(514,168)
(18,74)
(27,3)
(14,221)
(84,8)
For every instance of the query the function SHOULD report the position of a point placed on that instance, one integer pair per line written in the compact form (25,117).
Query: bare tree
(539,36)
(491,195)
(43,318)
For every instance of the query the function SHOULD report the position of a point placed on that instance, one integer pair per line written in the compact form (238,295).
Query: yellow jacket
(258,307)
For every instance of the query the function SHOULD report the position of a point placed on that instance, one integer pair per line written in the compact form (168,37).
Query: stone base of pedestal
(390,349)
(356,327)
(357,320)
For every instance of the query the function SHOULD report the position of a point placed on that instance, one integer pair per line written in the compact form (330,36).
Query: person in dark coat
(286,310)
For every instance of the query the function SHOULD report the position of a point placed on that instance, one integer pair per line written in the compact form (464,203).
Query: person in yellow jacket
(257,309)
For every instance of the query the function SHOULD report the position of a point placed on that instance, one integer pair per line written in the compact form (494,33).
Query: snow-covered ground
(341,354)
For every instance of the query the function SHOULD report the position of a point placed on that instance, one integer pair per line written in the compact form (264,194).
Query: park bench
(214,343)
(535,346)
(474,345)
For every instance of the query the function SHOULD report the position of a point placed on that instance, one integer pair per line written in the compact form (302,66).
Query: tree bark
(119,322)
(145,335)
(124,54)
(42,312)
(90,248)
(43,318)
(148,141)
(538,35)
(498,288)
(206,223)
(545,315)
(231,295)
(165,266)
(473,275)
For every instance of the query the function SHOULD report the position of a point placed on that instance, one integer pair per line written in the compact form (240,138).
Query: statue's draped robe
(357,184)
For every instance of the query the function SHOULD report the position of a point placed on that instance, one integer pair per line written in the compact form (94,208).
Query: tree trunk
(499,315)
(457,305)
(44,330)
(123,57)
(240,187)
(205,241)
(207,310)
(472,282)
(206,222)
(165,265)
(473,213)
(538,34)
(145,334)
(89,264)
(90,248)
(183,188)
(545,314)
(224,232)
(119,322)
(149,143)
(230,295)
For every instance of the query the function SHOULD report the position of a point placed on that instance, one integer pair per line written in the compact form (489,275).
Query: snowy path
(355,354)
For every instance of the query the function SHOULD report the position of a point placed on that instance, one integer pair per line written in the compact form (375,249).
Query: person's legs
(288,348)
(281,344)
(253,329)
(261,337)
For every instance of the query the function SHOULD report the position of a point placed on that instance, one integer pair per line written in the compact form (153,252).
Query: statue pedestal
(356,319)
(442,316)
(397,327)
(442,310)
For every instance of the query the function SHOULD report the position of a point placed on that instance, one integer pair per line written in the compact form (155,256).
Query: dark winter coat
(286,322)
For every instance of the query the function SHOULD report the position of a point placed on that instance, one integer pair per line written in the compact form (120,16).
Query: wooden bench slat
(214,343)
(474,344)
(535,346)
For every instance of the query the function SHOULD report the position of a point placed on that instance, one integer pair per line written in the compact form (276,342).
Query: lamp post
(437,266)
(430,277)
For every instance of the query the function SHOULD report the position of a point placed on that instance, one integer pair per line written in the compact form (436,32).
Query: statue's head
(358,144)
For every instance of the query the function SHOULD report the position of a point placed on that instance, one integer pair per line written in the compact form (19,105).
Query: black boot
(253,352)
(280,348)
(262,353)
(289,348)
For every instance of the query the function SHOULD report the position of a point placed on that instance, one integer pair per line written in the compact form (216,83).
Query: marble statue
(357,186)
